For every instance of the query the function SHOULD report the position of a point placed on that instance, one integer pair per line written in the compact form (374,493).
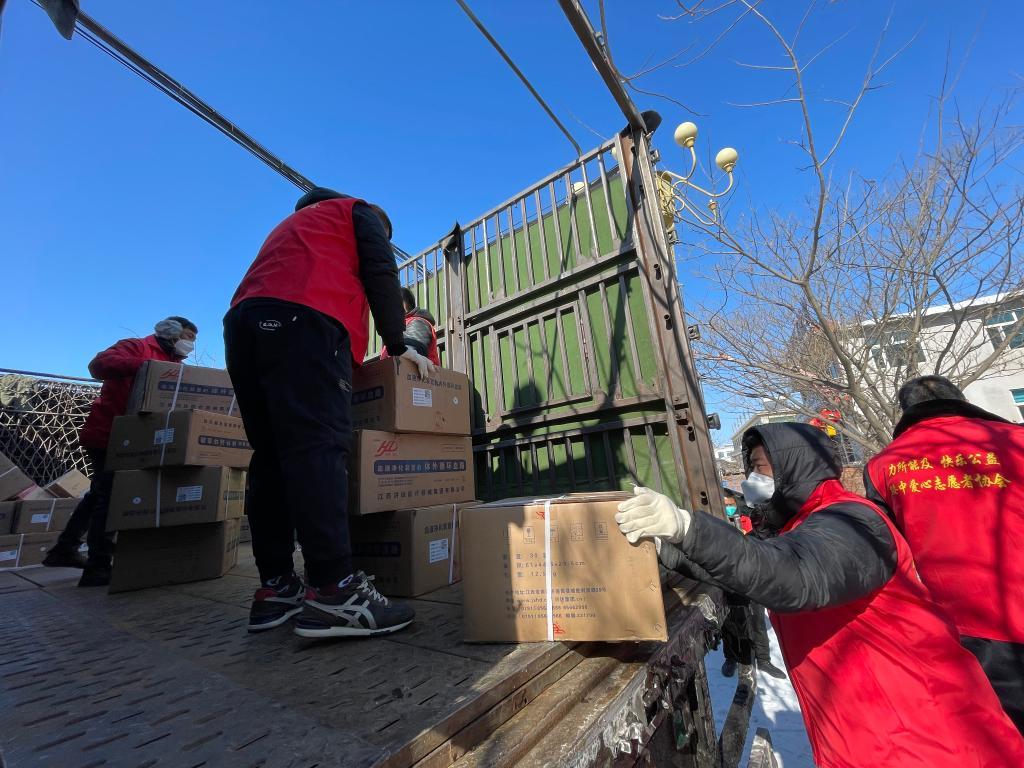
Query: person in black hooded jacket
(877,666)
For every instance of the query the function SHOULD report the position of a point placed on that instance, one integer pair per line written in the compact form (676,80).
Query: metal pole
(585,31)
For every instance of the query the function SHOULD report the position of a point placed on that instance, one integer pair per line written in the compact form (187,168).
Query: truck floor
(170,677)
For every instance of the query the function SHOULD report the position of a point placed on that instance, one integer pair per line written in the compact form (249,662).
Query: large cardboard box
(159,556)
(7,512)
(70,485)
(156,498)
(244,532)
(410,552)
(161,386)
(44,516)
(21,550)
(177,438)
(558,569)
(391,471)
(12,480)
(389,395)
(35,493)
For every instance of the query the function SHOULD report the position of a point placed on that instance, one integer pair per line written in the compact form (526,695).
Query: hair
(383,218)
(728,493)
(408,300)
(185,323)
(925,388)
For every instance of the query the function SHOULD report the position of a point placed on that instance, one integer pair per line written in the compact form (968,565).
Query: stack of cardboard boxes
(410,475)
(31,518)
(179,487)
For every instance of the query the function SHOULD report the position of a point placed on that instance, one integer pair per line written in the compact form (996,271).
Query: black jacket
(838,555)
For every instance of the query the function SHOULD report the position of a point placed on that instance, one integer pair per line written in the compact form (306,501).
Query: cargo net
(39,423)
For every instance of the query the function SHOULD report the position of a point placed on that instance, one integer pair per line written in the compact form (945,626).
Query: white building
(771,415)
(958,338)
(724,453)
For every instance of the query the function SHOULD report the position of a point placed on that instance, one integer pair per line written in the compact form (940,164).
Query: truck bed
(170,677)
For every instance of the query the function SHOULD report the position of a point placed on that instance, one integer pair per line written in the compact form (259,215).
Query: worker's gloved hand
(651,514)
(423,364)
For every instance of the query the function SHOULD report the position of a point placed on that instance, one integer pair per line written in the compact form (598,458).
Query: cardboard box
(21,550)
(70,485)
(244,532)
(177,438)
(601,587)
(175,555)
(46,516)
(12,480)
(161,386)
(35,493)
(7,513)
(157,498)
(390,471)
(410,552)
(389,395)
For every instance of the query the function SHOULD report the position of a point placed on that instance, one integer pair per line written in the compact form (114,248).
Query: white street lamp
(674,188)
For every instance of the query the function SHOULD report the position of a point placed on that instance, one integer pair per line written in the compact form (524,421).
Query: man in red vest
(298,325)
(953,480)
(879,670)
(173,340)
(420,333)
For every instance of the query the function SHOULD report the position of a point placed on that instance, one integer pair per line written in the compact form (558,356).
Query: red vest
(884,681)
(311,259)
(116,368)
(432,354)
(955,486)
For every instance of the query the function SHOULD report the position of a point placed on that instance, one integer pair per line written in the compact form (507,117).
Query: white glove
(651,514)
(423,364)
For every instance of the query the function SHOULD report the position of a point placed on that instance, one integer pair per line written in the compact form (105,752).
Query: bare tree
(838,303)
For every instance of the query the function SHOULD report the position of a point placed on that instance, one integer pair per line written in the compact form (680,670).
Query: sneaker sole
(349,631)
(276,622)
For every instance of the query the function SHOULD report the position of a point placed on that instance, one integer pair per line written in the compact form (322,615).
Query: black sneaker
(353,610)
(770,669)
(276,601)
(95,575)
(729,668)
(64,557)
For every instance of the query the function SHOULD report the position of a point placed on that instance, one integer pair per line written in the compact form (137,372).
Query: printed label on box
(8,554)
(424,397)
(41,518)
(189,493)
(163,436)
(438,550)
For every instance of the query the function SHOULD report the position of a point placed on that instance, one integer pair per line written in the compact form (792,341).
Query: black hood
(802,458)
(318,195)
(933,409)
(424,313)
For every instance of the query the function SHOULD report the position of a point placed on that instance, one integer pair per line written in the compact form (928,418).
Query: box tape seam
(49,521)
(163,446)
(451,546)
(547,568)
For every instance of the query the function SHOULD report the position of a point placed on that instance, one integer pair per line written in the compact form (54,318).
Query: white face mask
(758,488)
(184,347)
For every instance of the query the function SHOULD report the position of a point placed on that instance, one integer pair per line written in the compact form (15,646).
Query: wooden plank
(483,727)
(509,743)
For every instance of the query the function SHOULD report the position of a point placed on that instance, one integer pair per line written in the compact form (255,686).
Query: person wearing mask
(953,481)
(173,340)
(878,668)
(745,632)
(297,326)
(420,333)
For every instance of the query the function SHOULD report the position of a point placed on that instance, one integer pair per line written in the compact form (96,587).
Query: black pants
(91,514)
(1003,663)
(292,372)
(759,633)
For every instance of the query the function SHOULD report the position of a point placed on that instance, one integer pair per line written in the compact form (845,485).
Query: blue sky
(118,207)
